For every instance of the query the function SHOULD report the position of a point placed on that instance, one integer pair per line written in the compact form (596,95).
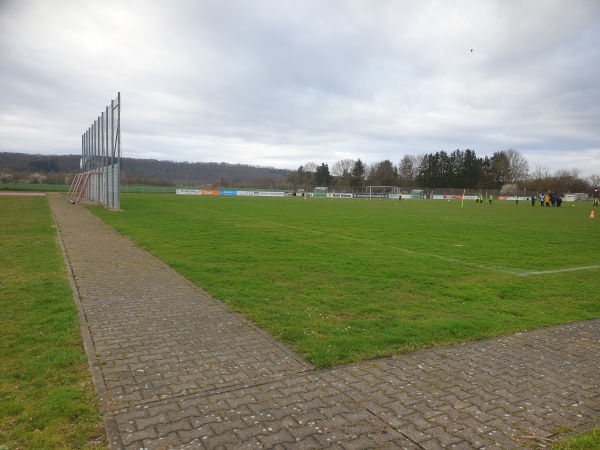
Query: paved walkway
(175,368)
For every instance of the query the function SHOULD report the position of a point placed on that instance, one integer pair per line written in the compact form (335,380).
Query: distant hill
(147,171)
(25,163)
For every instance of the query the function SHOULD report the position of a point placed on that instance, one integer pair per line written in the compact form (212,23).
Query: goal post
(382,191)
(416,193)
(320,191)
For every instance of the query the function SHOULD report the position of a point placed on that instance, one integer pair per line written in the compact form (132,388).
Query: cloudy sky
(281,83)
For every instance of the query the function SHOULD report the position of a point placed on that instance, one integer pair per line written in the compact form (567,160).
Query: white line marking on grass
(499,269)
(544,272)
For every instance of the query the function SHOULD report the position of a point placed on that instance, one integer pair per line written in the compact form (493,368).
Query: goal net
(382,191)
(320,191)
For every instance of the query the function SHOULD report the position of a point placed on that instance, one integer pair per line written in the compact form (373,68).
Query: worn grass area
(47,399)
(345,280)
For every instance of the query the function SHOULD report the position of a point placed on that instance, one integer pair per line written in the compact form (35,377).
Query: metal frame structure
(99,179)
(78,187)
(382,190)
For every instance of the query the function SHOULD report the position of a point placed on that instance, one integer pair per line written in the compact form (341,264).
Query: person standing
(532,200)
(517,198)
(491,198)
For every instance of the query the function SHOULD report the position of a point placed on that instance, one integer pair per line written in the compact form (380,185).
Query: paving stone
(307,443)
(143,423)
(222,440)
(413,433)
(164,441)
(473,438)
(145,434)
(443,436)
(360,443)
(179,425)
(180,370)
(272,439)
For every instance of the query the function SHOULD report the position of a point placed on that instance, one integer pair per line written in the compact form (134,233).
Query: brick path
(175,368)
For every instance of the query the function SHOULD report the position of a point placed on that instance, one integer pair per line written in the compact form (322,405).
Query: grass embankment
(345,280)
(47,400)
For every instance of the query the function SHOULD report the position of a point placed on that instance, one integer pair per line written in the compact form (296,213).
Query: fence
(100,175)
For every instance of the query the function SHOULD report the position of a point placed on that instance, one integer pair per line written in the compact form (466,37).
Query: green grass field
(47,399)
(23,186)
(344,280)
(49,187)
(323,275)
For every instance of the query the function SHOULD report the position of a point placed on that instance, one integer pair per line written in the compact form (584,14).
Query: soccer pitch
(339,280)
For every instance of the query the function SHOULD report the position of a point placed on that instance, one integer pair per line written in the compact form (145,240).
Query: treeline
(61,169)
(506,171)
(148,171)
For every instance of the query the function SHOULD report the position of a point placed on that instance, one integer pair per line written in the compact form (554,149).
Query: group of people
(479,199)
(549,199)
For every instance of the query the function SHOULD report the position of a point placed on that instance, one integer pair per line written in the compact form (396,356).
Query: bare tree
(540,180)
(37,178)
(408,169)
(6,177)
(342,170)
(540,173)
(342,166)
(595,181)
(518,167)
(567,180)
(310,166)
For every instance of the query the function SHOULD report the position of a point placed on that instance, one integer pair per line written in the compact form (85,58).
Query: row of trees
(34,178)
(460,169)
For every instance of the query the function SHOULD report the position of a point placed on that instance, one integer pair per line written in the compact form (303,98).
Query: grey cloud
(283,82)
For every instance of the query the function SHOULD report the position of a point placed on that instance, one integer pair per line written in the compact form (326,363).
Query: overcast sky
(281,83)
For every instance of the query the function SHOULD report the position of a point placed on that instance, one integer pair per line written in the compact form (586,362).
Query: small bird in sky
(471,50)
